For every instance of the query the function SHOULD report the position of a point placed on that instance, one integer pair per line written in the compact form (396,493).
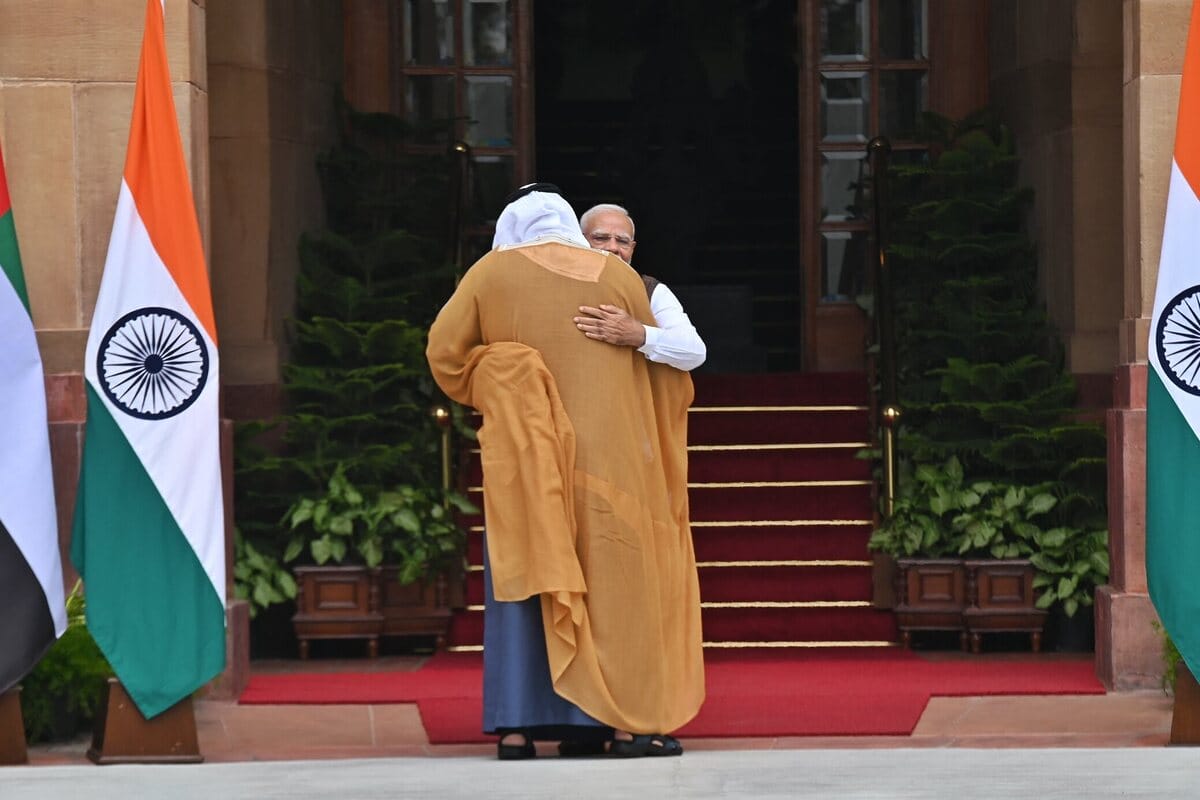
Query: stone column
(1155,32)
(274,69)
(1056,80)
(370,52)
(67,74)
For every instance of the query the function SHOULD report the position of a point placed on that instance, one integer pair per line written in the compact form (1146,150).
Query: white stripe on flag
(177,452)
(27,506)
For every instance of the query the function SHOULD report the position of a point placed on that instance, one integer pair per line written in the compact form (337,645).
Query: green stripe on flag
(10,257)
(140,570)
(1173,519)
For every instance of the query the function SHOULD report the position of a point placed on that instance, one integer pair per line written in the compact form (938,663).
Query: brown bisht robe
(585,478)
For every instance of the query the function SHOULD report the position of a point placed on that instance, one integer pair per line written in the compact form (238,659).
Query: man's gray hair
(602,208)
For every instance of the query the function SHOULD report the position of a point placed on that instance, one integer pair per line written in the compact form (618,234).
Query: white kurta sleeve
(675,340)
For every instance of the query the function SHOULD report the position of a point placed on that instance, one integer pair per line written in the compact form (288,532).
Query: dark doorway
(686,113)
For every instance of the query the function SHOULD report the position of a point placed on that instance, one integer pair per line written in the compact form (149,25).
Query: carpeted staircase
(781,513)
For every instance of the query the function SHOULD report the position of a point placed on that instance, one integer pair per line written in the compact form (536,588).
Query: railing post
(441,416)
(460,154)
(878,150)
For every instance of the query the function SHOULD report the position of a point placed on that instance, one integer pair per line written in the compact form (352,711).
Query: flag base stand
(1185,719)
(12,729)
(123,736)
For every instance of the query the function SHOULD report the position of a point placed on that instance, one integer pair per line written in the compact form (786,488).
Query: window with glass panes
(867,74)
(460,62)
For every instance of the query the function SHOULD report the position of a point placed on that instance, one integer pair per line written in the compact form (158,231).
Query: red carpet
(811,693)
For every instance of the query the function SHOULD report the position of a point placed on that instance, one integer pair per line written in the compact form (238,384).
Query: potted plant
(1071,562)
(981,379)
(930,579)
(353,466)
(384,562)
(963,553)
(61,695)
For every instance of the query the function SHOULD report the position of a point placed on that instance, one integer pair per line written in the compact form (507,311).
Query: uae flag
(31,579)
(149,528)
(1173,386)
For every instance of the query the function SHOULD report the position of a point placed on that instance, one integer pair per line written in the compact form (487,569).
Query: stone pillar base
(1128,648)
(230,684)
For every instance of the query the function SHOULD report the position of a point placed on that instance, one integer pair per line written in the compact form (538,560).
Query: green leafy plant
(980,368)
(353,465)
(259,577)
(411,527)
(61,695)
(981,376)
(918,526)
(1171,658)
(939,513)
(1071,562)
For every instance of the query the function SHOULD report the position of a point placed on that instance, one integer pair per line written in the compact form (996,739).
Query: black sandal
(516,752)
(574,749)
(650,744)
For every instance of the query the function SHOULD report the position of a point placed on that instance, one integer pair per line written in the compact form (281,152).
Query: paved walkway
(1090,746)
(229,732)
(1150,773)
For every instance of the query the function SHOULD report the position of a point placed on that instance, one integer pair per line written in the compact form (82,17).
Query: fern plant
(357,388)
(980,370)
(61,695)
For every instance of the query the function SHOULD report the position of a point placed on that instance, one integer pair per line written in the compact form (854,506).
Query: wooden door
(869,67)
(456,70)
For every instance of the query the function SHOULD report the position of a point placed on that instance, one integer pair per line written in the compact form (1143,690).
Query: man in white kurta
(584,454)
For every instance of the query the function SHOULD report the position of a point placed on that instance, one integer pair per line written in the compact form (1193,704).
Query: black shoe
(651,744)
(573,749)
(516,752)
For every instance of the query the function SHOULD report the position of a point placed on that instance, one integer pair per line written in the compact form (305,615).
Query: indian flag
(149,525)
(31,579)
(1173,386)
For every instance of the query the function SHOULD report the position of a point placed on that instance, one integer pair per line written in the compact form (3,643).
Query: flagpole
(150,517)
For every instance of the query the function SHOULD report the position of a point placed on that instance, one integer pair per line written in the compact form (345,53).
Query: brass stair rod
(878,150)
(460,157)
(441,416)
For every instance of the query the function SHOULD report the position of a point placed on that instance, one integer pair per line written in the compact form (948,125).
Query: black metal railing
(878,151)
(460,183)
(460,180)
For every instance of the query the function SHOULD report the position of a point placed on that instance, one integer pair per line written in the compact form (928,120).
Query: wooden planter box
(419,608)
(883,581)
(1001,597)
(931,595)
(337,603)
(974,597)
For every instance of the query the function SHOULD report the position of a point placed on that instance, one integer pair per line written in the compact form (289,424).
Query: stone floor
(1128,773)
(232,733)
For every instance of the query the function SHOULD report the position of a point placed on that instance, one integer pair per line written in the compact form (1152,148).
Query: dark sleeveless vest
(651,283)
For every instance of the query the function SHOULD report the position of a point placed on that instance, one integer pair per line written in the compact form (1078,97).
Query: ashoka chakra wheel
(1178,340)
(152,363)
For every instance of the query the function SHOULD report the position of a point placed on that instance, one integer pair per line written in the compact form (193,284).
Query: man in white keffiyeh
(592,607)
(537,211)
